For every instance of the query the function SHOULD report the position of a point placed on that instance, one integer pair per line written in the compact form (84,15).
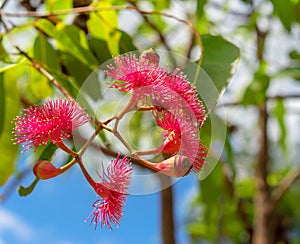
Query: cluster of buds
(174,104)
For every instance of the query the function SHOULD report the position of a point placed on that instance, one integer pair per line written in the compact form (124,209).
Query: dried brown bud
(151,55)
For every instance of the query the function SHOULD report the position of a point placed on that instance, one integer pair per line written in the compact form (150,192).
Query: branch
(34,62)
(275,97)
(282,188)
(3,4)
(167,219)
(89,9)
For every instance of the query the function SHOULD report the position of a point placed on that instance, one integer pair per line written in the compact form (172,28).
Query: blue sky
(55,213)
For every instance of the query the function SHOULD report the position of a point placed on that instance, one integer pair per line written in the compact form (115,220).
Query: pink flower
(112,190)
(172,133)
(146,78)
(188,98)
(181,136)
(54,120)
(132,73)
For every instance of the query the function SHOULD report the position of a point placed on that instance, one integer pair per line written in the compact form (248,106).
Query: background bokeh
(252,194)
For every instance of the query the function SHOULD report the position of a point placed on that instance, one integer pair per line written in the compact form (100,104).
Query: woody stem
(63,147)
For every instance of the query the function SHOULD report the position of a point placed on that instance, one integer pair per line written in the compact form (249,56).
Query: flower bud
(150,55)
(176,166)
(45,170)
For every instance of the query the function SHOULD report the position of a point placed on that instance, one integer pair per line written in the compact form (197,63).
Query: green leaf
(75,68)
(100,49)
(53,5)
(104,25)
(25,191)
(64,36)
(220,60)
(219,64)
(279,113)
(66,82)
(44,52)
(126,43)
(160,5)
(48,152)
(200,7)
(38,84)
(2,103)
(8,150)
(3,54)
(287,11)
(6,66)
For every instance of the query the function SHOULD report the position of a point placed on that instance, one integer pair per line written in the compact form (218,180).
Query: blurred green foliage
(70,46)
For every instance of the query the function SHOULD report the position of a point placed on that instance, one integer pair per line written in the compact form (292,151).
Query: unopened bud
(176,166)
(151,55)
(45,170)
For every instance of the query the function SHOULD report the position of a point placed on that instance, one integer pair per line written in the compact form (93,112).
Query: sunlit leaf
(52,5)
(11,107)
(200,7)
(38,84)
(104,25)
(160,5)
(2,103)
(6,66)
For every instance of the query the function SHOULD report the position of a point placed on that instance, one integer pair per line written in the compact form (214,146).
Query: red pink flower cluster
(174,104)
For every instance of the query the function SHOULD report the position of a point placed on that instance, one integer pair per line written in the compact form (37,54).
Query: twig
(89,9)
(3,4)
(34,62)
(274,97)
(282,188)
(154,27)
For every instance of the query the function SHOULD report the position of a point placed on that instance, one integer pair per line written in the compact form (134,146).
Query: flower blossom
(113,190)
(53,120)
(145,77)
(181,136)
(177,107)
(132,73)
